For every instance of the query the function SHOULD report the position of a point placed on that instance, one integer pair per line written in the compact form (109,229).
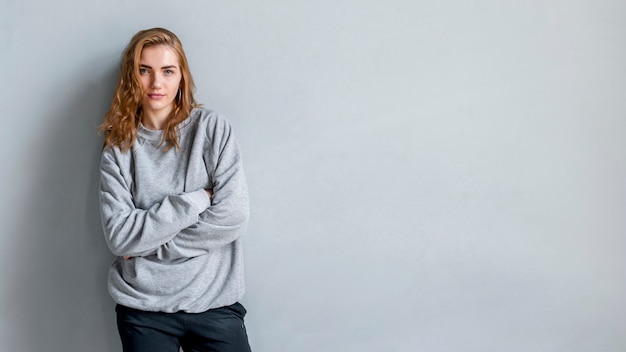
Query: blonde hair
(122,121)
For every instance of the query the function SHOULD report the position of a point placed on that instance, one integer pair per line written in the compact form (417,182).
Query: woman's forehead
(159,54)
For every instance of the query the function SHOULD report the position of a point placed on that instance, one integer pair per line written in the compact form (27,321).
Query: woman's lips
(156,96)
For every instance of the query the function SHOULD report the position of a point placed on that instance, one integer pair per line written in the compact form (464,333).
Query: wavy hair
(121,123)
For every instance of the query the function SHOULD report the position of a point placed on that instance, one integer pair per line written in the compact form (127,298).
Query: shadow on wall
(61,301)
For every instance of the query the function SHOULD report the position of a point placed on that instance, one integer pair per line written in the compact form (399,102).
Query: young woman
(174,204)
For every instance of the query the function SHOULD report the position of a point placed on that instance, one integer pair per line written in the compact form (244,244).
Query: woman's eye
(169,72)
(143,71)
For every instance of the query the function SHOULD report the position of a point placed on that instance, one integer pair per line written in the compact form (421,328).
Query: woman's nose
(156,81)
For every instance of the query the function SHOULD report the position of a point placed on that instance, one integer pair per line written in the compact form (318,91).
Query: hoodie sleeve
(225,220)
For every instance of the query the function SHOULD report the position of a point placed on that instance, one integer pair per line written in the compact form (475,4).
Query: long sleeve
(226,219)
(133,231)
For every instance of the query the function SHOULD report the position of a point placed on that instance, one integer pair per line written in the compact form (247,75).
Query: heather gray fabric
(186,251)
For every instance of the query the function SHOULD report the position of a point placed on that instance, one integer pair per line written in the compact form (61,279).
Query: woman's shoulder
(207,114)
(113,155)
(210,119)
(113,151)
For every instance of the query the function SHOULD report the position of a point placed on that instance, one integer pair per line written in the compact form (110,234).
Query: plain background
(424,175)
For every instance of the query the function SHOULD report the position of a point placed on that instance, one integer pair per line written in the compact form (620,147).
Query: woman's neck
(155,120)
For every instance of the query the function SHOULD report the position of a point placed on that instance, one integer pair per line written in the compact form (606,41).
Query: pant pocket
(237,310)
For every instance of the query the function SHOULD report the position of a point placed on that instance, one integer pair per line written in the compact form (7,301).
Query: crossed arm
(163,249)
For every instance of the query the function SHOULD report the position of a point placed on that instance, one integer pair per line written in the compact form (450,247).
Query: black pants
(219,330)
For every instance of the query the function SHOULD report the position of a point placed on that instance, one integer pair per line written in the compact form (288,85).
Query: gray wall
(425,176)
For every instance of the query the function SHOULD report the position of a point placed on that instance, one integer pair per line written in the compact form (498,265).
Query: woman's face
(159,74)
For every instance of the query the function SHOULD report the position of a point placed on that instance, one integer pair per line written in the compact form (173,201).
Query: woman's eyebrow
(162,68)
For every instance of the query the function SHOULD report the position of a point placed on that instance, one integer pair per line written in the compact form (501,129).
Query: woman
(174,203)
